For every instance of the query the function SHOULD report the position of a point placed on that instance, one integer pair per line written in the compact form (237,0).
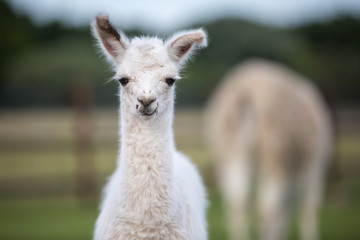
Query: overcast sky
(166,15)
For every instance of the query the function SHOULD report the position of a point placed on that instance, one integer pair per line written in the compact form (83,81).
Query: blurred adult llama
(266,119)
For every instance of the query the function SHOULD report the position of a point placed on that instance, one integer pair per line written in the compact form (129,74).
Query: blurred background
(58,112)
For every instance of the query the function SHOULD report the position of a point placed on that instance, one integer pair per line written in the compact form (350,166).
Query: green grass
(47,218)
(37,177)
(69,218)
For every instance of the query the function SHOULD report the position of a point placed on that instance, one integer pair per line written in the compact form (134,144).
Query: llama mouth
(149,114)
(145,112)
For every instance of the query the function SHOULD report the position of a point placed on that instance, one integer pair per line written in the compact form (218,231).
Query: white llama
(267,120)
(155,192)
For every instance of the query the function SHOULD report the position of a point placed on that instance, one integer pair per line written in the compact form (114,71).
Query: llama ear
(181,45)
(112,43)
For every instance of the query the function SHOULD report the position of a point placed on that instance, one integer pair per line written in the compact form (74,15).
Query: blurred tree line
(38,65)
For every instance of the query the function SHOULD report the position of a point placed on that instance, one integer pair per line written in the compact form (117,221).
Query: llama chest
(155,231)
(141,215)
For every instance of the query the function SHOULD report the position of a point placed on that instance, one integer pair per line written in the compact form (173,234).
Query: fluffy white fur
(267,118)
(155,192)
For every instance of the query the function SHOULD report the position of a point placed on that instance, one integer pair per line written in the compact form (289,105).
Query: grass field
(38,176)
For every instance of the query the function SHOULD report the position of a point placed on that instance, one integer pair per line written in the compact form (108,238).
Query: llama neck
(146,164)
(139,135)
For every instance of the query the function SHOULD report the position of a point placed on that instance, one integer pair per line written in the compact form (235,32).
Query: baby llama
(155,191)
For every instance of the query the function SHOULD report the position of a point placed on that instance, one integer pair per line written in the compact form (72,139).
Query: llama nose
(146,101)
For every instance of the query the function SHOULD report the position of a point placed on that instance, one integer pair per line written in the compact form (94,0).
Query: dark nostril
(150,101)
(146,102)
(141,101)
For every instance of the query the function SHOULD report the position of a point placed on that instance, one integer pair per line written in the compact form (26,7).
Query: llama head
(146,67)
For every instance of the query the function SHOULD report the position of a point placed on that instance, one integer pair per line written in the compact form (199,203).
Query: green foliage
(54,57)
(15,32)
(233,41)
(58,61)
(337,45)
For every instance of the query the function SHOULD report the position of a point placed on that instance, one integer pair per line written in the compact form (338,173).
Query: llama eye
(124,81)
(170,81)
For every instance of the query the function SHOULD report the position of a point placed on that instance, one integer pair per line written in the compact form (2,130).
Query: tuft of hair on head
(112,43)
(182,45)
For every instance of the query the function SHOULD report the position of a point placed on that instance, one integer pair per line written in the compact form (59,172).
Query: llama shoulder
(189,181)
